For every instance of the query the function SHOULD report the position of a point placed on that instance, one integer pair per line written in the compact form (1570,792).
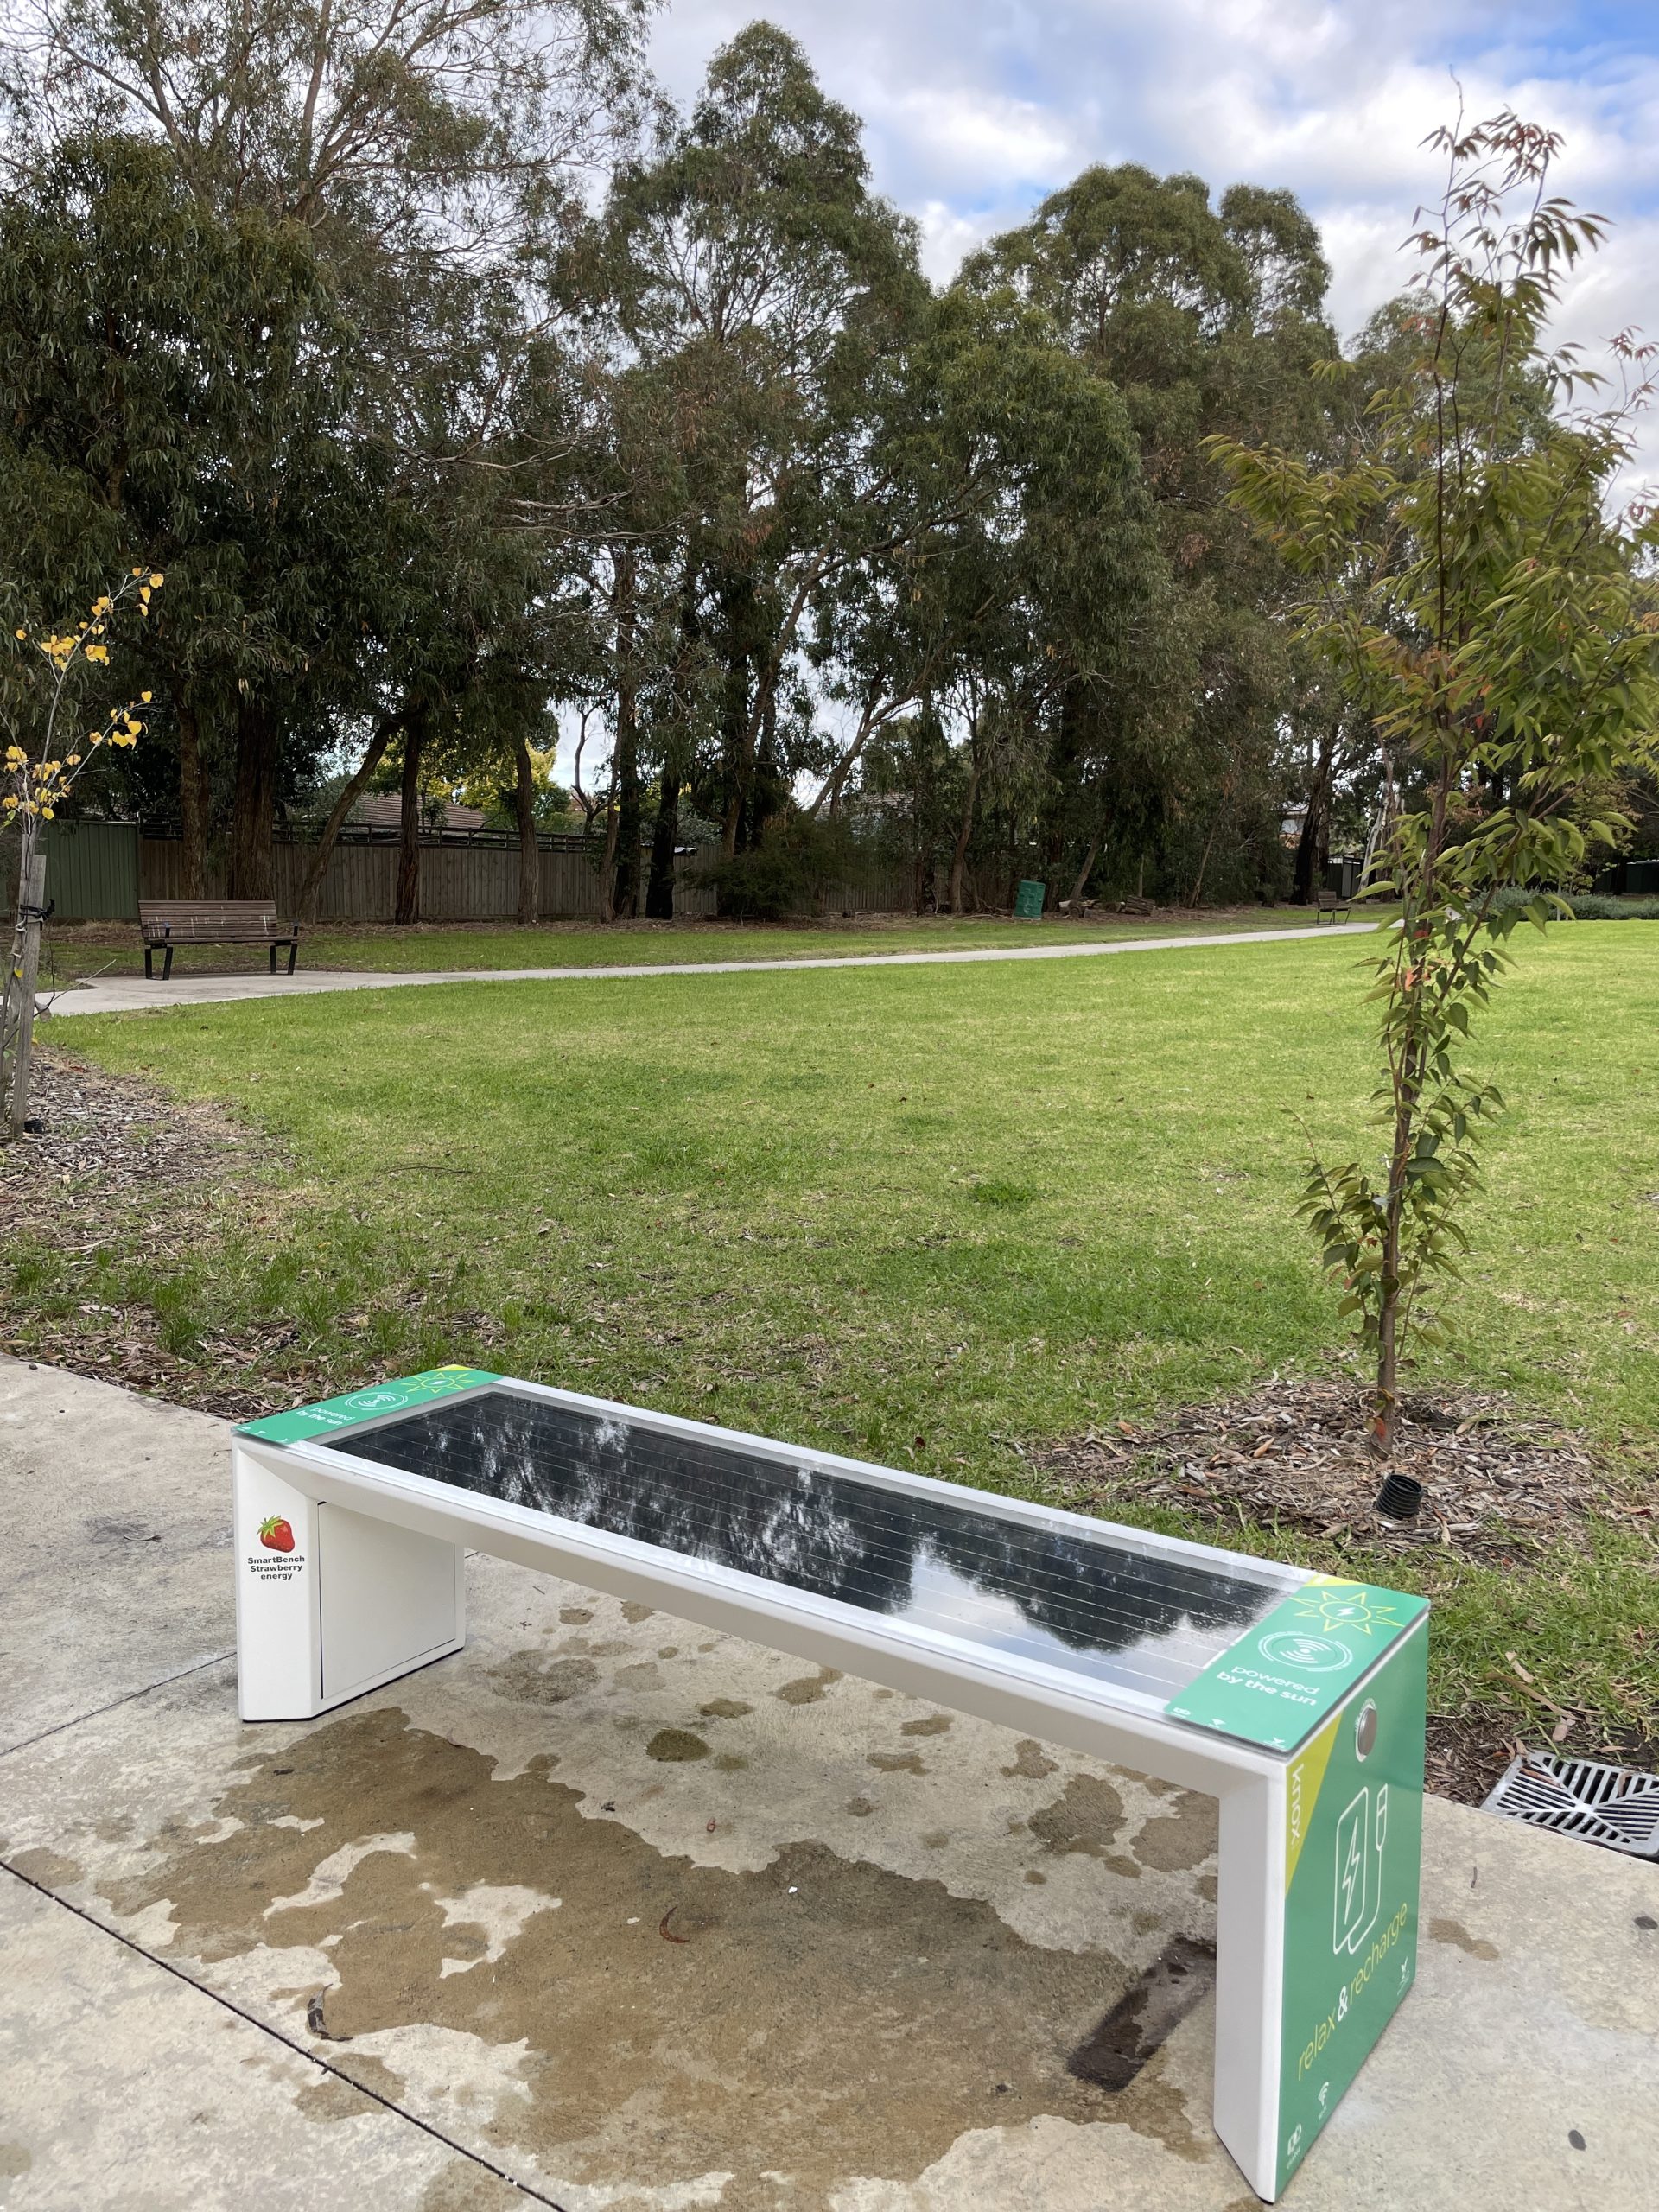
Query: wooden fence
(98,871)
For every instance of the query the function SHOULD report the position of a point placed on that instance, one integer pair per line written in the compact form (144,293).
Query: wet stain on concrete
(49,1868)
(1453,1931)
(1140,2022)
(633,1611)
(828,2018)
(328,2098)
(532,1679)
(1031,1763)
(676,1746)
(896,1762)
(15,2159)
(730,1763)
(936,1724)
(860,1808)
(574,1616)
(807,1689)
(1177,1841)
(724,1708)
(1208,1888)
(462,2187)
(1086,1816)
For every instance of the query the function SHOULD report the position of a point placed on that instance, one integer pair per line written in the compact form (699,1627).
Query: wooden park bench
(166,924)
(1330,903)
(1296,1700)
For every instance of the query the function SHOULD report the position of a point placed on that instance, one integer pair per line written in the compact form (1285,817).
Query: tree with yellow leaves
(42,766)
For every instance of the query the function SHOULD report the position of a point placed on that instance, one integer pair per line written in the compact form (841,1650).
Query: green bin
(1028,902)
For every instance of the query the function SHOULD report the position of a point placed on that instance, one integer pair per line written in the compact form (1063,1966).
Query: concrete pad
(647,1917)
(116,1570)
(134,994)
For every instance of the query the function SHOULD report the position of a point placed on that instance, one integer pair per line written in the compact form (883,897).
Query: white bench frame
(308,1643)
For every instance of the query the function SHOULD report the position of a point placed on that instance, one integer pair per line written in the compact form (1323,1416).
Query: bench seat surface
(1143,1619)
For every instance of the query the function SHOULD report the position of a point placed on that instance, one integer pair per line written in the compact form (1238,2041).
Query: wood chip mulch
(104,1139)
(1498,1485)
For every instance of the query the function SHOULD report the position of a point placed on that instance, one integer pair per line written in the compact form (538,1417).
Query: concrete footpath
(610,1914)
(134,995)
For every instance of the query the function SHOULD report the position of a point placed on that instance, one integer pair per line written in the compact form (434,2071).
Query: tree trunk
(193,796)
(1313,847)
(1410,1068)
(965,828)
(607,861)
(253,812)
(530,851)
(22,979)
(1082,883)
(659,892)
(408,907)
(624,845)
(739,722)
(311,890)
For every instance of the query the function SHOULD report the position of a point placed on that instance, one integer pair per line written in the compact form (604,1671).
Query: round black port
(1401,1497)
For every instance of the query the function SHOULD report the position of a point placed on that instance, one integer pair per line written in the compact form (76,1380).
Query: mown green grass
(112,948)
(931,1214)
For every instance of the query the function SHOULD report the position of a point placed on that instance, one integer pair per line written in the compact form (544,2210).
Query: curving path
(132,994)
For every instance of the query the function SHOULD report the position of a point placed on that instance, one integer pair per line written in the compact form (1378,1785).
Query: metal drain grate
(1598,1804)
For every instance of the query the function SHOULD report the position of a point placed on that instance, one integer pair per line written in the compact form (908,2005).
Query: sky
(974,108)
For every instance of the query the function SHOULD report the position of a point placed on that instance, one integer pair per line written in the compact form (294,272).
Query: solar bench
(166,924)
(1295,1700)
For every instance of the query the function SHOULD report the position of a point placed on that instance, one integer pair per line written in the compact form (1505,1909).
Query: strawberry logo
(276,1534)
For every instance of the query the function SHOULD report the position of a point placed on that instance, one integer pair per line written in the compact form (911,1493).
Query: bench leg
(293,955)
(149,965)
(391,1600)
(272,950)
(167,964)
(1316,1919)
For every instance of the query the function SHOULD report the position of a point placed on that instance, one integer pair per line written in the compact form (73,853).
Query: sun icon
(1350,1607)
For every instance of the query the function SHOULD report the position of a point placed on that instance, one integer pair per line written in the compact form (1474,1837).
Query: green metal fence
(92,870)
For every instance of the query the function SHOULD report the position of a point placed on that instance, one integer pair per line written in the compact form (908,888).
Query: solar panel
(1142,1618)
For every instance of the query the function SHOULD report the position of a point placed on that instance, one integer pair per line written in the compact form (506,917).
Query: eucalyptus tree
(1020,581)
(1206,318)
(754,274)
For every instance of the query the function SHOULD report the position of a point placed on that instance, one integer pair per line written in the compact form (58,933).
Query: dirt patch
(1499,1485)
(821,2017)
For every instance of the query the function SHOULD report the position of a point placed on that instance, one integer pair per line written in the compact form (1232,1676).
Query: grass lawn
(112,948)
(925,1215)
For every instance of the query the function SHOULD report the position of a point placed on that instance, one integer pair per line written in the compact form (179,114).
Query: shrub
(1594,906)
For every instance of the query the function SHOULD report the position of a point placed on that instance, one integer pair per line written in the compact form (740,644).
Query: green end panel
(1288,1672)
(1353,1854)
(411,1390)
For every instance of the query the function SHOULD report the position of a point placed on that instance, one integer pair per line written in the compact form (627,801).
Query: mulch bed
(104,1142)
(1292,1453)
(1501,1488)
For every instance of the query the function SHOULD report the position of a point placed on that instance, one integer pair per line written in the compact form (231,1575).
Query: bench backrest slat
(199,919)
